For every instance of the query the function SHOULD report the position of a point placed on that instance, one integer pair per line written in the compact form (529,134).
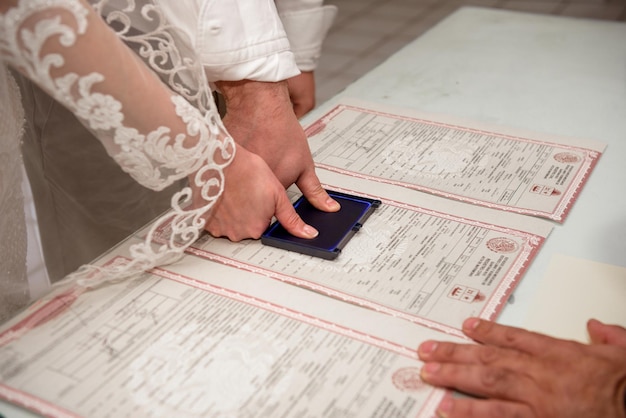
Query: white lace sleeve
(156,136)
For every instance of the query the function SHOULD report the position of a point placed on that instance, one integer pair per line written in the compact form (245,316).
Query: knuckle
(512,335)
(496,380)
(447,351)
(213,229)
(293,219)
(499,409)
(488,354)
(486,328)
(317,189)
(234,237)
(256,232)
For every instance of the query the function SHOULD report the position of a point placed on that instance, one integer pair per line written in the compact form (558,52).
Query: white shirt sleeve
(235,39)
(262,40)
(306,22)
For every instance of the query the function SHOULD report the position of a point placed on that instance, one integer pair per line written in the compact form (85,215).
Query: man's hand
(517,373)
(260,117)
(302,93)
(251,196)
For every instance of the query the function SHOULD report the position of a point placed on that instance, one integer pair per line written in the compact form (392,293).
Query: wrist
(249,95)
(250,104)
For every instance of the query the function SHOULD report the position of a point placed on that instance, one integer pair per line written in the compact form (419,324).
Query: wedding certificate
(523,172)
(167,344)
(418,257)
(244,329)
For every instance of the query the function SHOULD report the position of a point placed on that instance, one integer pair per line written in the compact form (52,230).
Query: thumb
(290,220)
(312,189)
(601,333)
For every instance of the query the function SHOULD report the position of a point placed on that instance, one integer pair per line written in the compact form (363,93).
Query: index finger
(290,220)
(491,333)
(312,189)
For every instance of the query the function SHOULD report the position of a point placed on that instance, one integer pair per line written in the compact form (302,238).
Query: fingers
(460,353)
(301,109)
(480,370)
(302,92)
(488,332)
(225,222)
(452,407)
(230,228)
(601,333)
(497,370)
(523,373)
(291,221)
(479,380)
(252,196)
(312,189)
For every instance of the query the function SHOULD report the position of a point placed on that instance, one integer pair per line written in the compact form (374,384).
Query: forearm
(154,135)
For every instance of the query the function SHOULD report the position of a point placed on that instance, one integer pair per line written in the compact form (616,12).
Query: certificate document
(244,329)
(419,257)
(501,168)
(169,345)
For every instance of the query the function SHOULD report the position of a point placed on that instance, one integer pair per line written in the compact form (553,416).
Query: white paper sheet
(574,290)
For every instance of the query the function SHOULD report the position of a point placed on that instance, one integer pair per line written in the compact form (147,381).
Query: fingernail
(332,204)
(310,231)
(470,324)
(427,347)
(594,322)
(430,369)
(445,407)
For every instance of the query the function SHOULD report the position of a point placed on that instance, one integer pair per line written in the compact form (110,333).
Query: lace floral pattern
(194,143)
(164,48)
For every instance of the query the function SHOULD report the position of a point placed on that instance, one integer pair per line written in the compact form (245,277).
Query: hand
(251,196)
(302,93)
(524,374)
(260,118)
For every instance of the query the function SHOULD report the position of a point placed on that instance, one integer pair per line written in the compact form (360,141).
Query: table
(547,74)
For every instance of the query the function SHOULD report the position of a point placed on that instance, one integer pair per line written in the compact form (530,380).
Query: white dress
(234,40)
(156,136)
(14,292)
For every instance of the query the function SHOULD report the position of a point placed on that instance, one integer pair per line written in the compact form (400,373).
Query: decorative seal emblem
(502,245)
(408,379)
(567,157)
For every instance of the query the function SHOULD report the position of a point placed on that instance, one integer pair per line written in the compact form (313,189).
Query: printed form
(426,259)
(166,344)
(224,332)
(498,167)
(243,329)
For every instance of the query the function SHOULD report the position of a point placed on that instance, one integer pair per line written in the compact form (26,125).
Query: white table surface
(547,74)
